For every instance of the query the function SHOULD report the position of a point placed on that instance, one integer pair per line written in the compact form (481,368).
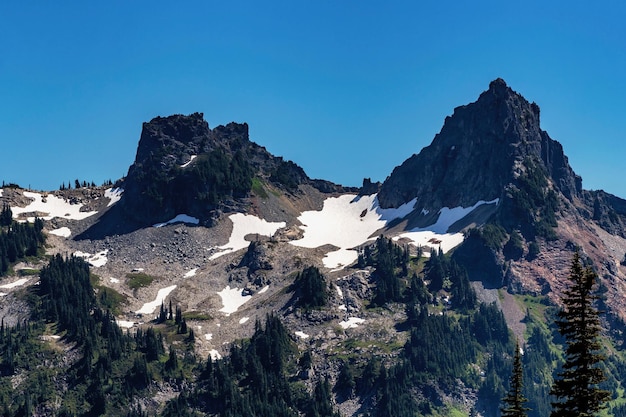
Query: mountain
(248,288)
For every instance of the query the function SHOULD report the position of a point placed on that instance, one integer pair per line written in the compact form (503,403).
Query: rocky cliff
(183,166)
(481,150)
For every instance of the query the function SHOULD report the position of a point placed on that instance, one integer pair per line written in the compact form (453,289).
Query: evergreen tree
(514,399)
(6,216)
(576,386)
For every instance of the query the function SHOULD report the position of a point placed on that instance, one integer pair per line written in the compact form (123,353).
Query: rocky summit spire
(481,149)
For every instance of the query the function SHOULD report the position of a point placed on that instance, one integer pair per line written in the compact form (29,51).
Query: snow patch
(449,216)
(243,320)
(97,260)
(339,291)
(343,307)
(346,222)
(208,336)
(435,236)
(61,231)
(351,323)
(215,355)
(191,273)
(264,289)
(114,195)
(181,218)
(125,324)
(188,162)
(302,335)
(114,280)
(2,294)
(243,225)
(17,283)
(53,206)
(232,299)
(148,308)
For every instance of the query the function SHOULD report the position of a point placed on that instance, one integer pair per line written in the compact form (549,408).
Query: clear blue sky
(346,89)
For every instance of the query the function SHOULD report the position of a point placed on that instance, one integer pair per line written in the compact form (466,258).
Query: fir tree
(576,386)
(514,400)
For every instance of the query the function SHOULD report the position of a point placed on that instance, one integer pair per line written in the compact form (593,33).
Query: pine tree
(576,387)
(514,399)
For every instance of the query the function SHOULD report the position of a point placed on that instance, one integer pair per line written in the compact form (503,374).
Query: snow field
(15,284)
(181,218)
(149,308)
(114,195)
(191,273)
(435,236)
(346,221)
(53,207)
(125,324)
(232,299)
(351,323)
(61,231)
(96,260)
(243,225)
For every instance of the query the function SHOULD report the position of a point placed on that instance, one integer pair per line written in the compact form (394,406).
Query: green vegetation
(258,189)
(534,203)
(18,241)
(254,380)
(391,269)
(515,402)
(288,174)
(576,386)
(311,289)
(136,280)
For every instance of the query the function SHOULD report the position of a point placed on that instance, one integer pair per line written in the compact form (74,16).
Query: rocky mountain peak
(481,149)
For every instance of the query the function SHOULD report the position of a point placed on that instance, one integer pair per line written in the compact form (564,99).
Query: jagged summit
(481,149)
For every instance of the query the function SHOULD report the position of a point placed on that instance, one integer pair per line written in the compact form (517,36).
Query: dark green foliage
(489,325)
(67,296)
(18,241)
(533,251)
(252,381)
(322,406)
(391,269)
(311,288)
(346,382)
(576,387)
(441,272)
(514,248)
(212,178)
(534,203)
(6,215)
(112,368)
(288,174)
(537,368)
(514,401)
(455,347)
(491,234)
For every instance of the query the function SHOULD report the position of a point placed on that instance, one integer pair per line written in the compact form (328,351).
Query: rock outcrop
(481,150)
(183,166)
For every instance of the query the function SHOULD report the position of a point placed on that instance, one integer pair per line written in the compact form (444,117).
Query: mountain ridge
(210,222)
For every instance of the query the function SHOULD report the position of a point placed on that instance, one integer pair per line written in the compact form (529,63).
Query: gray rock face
(183,166)
(479,151)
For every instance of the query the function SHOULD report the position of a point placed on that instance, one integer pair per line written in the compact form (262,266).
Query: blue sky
(346,89)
